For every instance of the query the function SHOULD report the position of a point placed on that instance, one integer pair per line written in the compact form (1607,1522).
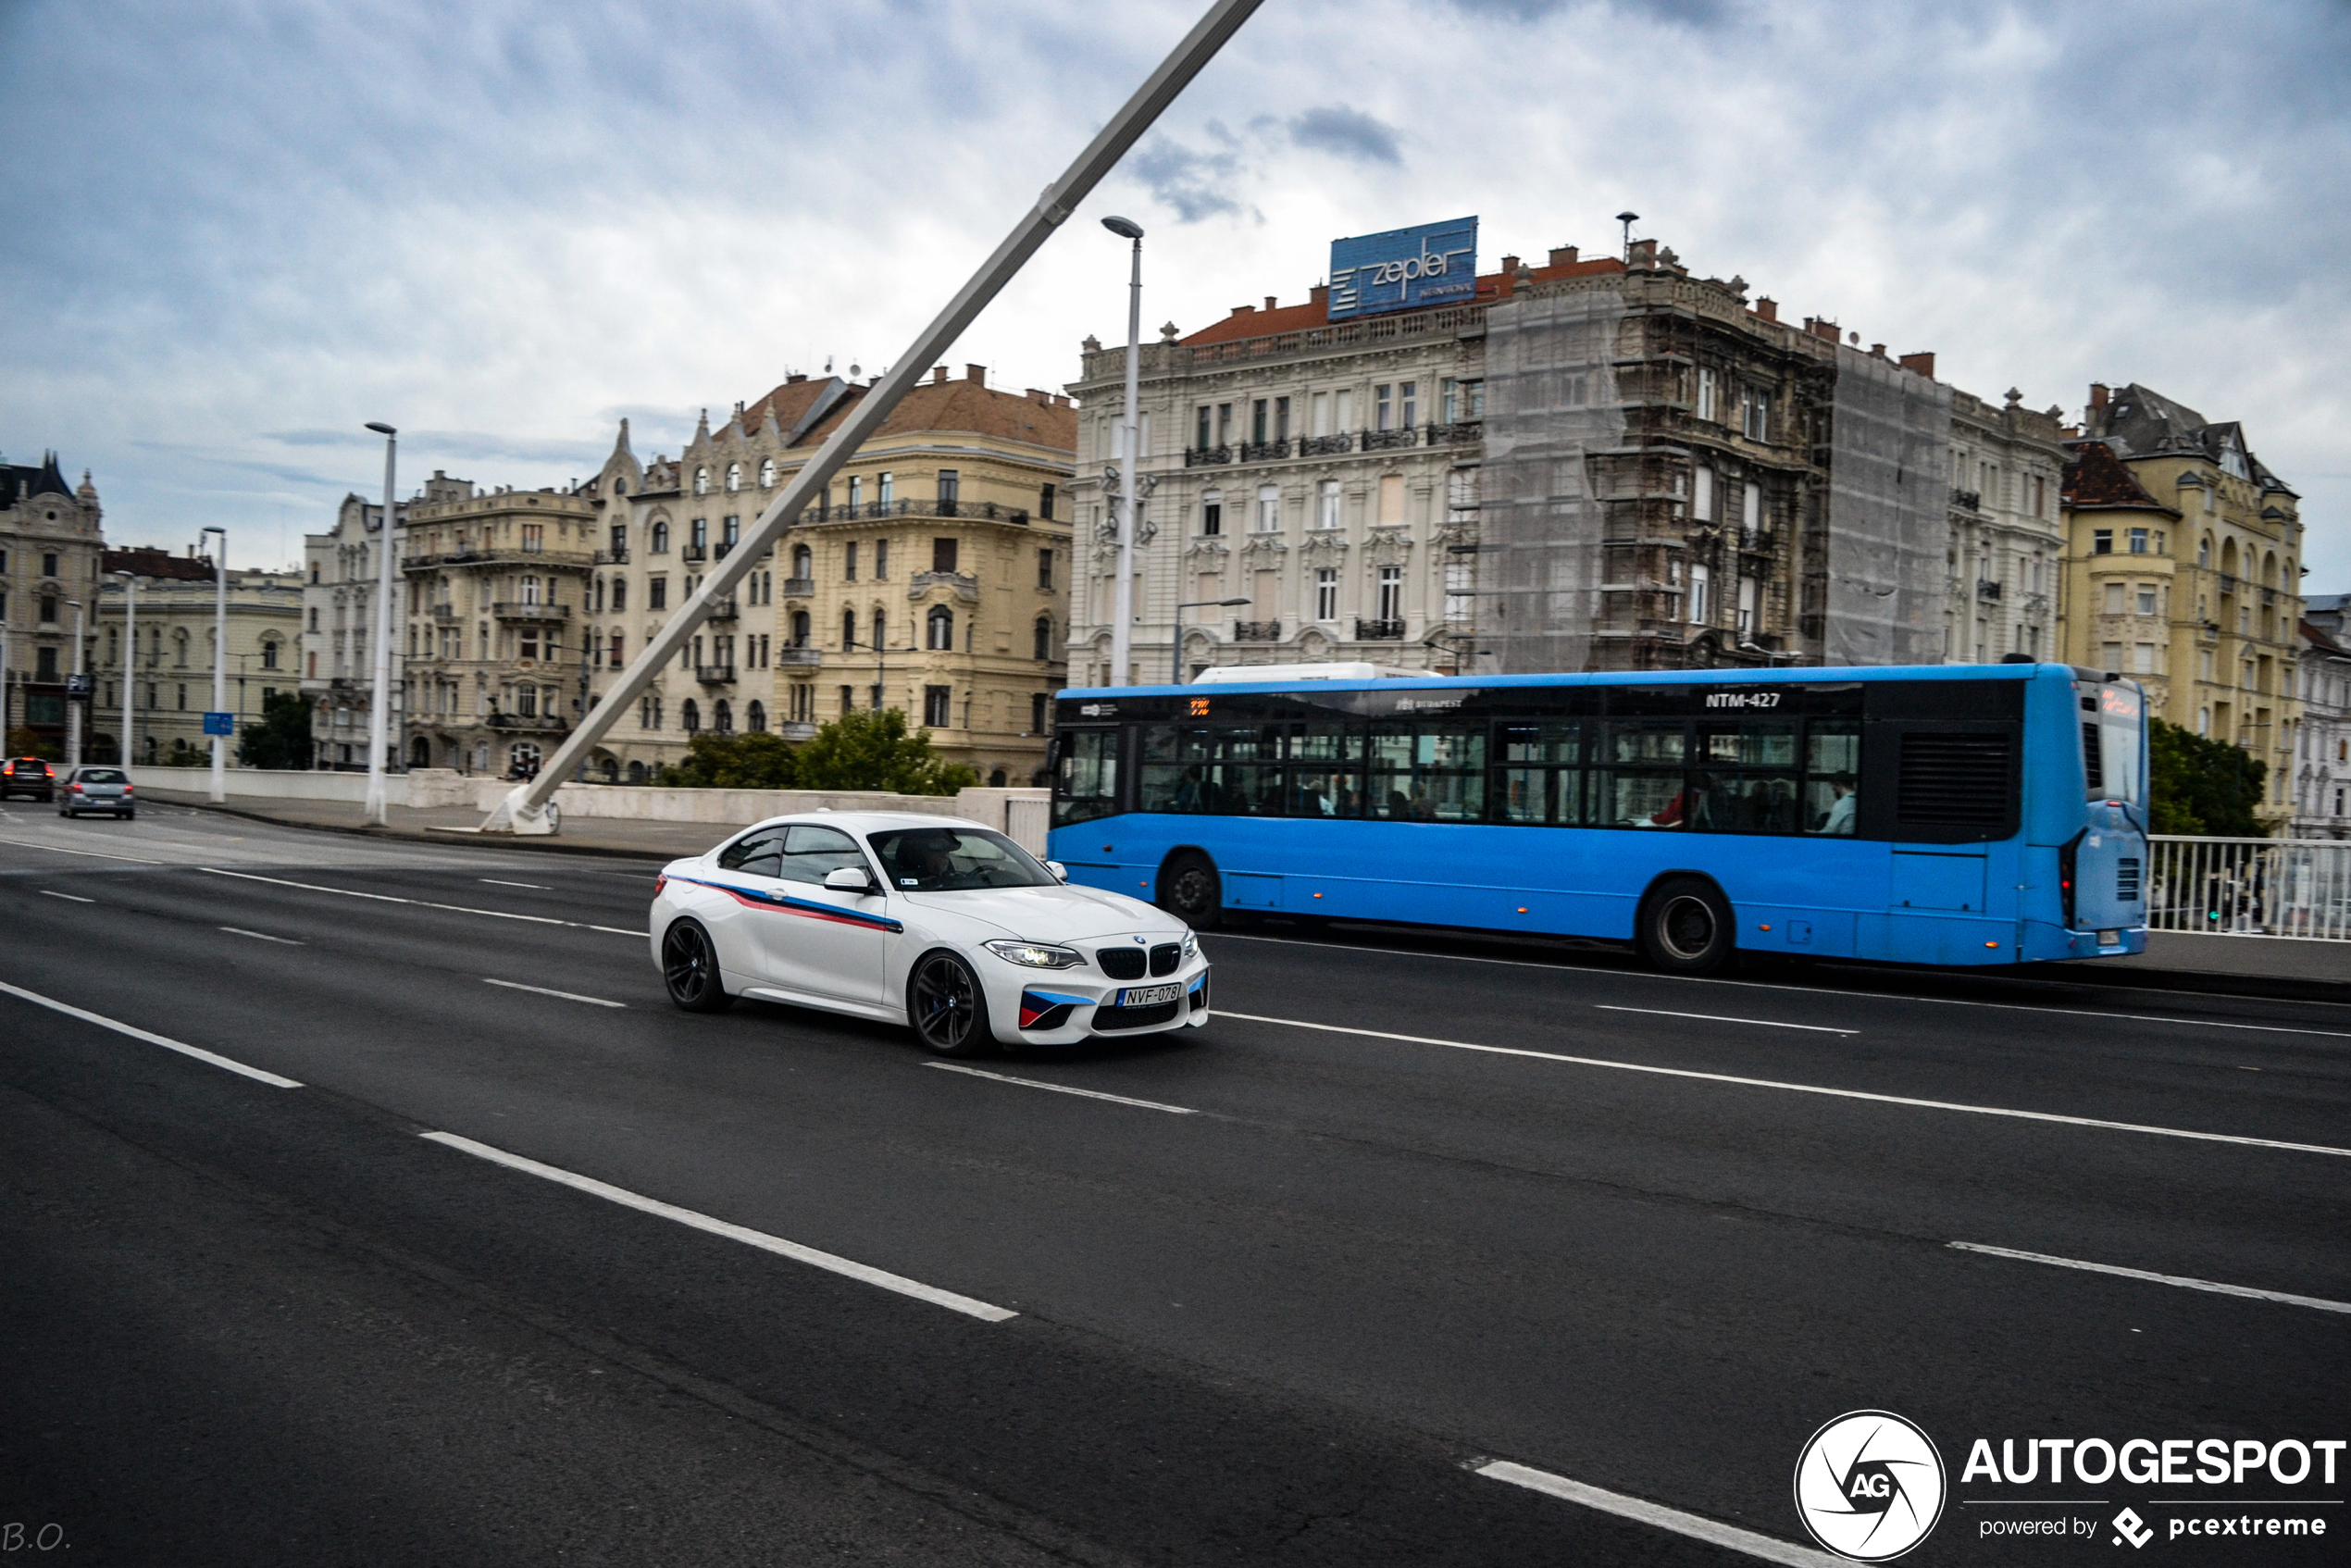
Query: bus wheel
(1190,889)
(1686,928)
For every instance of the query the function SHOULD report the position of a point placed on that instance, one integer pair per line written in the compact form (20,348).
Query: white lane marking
(543,990)
(496,883)
(1718,1018)
(1061,1088)
(94,854)
(53,893)
(262,936)
(984,1311)
(119,1027)
(1809,1089)
(620,931)
(1770,1549)
(1816,991)
(2182,1281)
(419,904)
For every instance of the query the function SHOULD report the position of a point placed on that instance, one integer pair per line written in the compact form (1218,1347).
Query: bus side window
(1089,782)
(1832,772)
(1433,771)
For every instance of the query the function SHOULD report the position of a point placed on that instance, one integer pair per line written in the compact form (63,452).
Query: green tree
(751,760)
(2206,787)
(282,739)
(863,750)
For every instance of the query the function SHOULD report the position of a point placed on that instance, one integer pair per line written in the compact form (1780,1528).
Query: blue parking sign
(219,724)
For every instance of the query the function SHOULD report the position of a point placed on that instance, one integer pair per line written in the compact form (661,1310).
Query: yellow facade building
(2183,570)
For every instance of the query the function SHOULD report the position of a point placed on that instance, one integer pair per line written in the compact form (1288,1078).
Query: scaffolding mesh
(1888,523)
(1550,403)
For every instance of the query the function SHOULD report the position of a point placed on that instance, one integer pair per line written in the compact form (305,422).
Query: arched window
(180,648)
(848,631)
(942,629)
(420,752)
(270,654)
(881,630)
(635,773)
(803,562)
(702,482)
(660,545)
(530,591)
(754,715)
(767,474)
(689,715)
(619,485)
(800,629)
(722,717)
(1044,648)
(734,477)
(996,780)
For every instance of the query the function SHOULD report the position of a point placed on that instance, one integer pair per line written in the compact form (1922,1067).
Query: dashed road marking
(544,990)
(1768,1548)
(119,1027)
(2182,1281)
(1061,1088)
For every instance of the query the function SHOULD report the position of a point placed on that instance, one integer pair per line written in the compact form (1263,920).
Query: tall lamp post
(219,664)
(76,693)
(1130,459)
(130,640)
(380,709)
(1175,654)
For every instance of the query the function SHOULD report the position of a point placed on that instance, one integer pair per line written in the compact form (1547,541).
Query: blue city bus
(1959,814)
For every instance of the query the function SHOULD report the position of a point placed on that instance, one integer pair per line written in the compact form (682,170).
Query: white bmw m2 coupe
(945,924)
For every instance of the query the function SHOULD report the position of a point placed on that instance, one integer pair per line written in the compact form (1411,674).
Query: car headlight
(1034,955)
(1191,945)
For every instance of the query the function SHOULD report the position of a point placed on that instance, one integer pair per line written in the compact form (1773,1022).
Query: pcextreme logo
(1869,1485)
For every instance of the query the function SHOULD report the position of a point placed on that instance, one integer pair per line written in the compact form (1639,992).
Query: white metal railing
(2298,888)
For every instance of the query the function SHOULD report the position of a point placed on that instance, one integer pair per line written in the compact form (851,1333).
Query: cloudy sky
(237,231)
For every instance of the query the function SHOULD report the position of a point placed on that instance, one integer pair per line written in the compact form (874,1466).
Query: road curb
(548,845)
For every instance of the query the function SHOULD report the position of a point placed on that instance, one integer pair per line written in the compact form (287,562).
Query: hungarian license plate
(1148,996)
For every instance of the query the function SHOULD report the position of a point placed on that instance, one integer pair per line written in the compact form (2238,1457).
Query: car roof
(862,821)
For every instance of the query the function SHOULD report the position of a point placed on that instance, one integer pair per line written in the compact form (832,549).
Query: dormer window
(767,474)
(734,477)
(702,482)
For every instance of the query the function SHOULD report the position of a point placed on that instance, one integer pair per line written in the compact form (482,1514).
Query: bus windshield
(2112,718)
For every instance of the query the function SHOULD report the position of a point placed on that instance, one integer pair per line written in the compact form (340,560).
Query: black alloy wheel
(690,968)
(1190,890)
(945,1007)
(1687,929)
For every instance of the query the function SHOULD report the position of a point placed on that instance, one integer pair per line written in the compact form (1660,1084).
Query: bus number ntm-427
(1742,699)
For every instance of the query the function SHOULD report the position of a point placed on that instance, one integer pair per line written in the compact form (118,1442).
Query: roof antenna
(1628,220)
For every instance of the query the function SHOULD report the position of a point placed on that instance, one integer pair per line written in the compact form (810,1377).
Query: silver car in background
(88,789)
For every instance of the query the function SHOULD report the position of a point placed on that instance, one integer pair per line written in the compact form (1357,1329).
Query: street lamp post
(1130,459)
(73,701)
(380,709)
(1176,653)
(219,661)
(130,640)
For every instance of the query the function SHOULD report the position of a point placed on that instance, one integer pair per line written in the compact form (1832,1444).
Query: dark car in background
(88,789)
(27,776)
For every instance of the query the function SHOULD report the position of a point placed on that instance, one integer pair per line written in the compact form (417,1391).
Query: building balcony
(2228,583)
(875,511)
(691,552)
(1325,446)
(1966,500)
(505,555)
(507,611)
(1382,441)
(1379,631)
(444,614)
(965,584)
(796,729)
(613,557)
(1264,450)
(1206,456)
(721,610)
(1466,433)
(1987,591)
(722,548)
(554,723)
(1256,631)
(800,658)
(799,588)
(715,674)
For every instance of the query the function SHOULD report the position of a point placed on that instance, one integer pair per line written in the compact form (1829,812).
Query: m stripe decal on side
(806,909)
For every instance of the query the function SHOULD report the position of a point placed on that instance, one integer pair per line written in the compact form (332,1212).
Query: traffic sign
(219,724)
(78,686)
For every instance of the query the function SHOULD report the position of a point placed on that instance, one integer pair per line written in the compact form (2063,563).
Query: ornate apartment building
(50,544)
(2322,759)
(170,670)
(2183,569)
(494,653)
(1591,465)
(933,578)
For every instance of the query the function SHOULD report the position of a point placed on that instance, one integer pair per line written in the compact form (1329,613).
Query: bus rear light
(2065,878)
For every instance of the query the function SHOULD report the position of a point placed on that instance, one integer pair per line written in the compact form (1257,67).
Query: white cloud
(237,231)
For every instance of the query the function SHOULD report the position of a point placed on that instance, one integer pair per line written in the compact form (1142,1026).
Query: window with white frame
(1751,509)
(1391,594)
(1269,508)
(1702,578)
(1326,594)
(1747,609)
(1327,504)
(1702,494)
(1706,394)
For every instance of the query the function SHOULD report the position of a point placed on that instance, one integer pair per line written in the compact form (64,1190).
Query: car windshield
(103,776)
(953,860)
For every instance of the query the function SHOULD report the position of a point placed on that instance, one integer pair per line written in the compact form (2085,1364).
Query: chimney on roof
(1644,255)
(1244,310)
(1768,308)
(1510,267)
(1921,363)
(1319,295)
(938,374)
(1270,304)
(1060,400)
(1038,396)
(1877,350)
(1563,255)
(977,374)
(2097,397)
(794,379)
(1821,328)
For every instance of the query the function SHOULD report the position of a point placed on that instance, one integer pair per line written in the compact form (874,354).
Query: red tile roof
(2096,479)
(965,406)
(1250,321)
(147,561)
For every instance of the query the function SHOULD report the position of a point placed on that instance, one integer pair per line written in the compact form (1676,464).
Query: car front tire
(689,969)
(945,1007)
(1687,927)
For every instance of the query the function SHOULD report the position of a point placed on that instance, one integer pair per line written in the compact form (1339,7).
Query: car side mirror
(849,880)
(1060,872)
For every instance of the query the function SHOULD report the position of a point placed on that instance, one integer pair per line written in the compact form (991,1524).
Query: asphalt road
(1408,1206)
